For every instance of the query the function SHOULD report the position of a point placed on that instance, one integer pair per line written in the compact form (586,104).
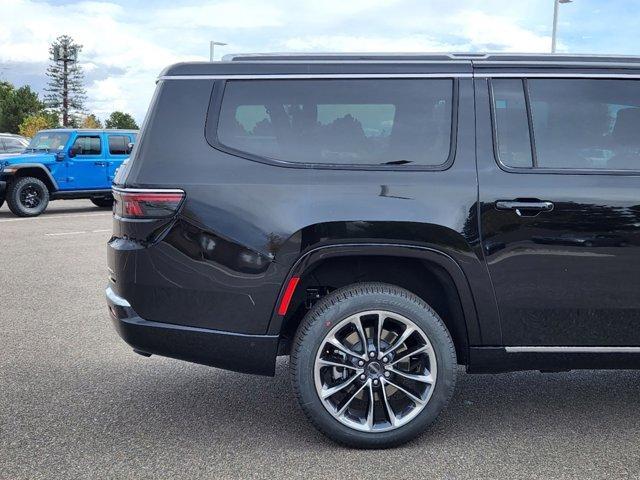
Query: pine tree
(65,90)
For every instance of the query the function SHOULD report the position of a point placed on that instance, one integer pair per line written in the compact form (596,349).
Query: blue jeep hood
(36,157)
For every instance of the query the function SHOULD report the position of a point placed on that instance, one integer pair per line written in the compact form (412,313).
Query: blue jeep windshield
(52,141)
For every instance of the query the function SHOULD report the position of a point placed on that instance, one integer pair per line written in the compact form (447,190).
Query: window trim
(535,169)
(215,107)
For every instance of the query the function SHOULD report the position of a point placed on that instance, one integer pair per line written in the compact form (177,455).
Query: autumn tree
(121,120)
(65,90)
(34,123)
(91,121)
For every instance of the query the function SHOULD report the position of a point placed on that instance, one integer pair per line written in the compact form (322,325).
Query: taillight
(146,203)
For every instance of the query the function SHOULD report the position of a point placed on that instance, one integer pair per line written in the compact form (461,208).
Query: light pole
(212,44)
(555,22)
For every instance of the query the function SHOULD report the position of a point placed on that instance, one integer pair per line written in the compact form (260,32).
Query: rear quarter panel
(277,214)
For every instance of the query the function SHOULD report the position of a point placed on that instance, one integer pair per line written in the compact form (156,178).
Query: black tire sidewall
(13,197)
(346,302)
(102,202)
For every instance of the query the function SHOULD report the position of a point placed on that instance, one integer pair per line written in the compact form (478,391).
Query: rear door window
(118,144)
(339,122)
(568,124)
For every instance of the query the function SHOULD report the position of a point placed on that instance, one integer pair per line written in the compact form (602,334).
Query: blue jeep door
(118,152)
(87,168)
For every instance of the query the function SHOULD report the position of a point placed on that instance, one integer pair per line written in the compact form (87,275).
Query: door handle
(100,164)
(525,208)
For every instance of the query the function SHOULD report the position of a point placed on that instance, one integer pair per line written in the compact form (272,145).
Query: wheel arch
(38,171)
(431,274)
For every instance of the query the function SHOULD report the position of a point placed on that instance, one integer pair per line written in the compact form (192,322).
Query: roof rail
(480,57)
(349,56)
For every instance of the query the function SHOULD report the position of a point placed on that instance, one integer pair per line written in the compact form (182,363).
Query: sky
(126,43)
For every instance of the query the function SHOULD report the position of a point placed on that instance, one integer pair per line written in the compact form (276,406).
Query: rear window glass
(343,122)
(118,144)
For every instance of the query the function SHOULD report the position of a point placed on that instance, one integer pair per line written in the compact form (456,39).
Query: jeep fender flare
(314,256)
(39,167)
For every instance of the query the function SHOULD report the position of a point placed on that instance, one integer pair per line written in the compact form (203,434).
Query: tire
(27,197)
(385,428)
(103,202)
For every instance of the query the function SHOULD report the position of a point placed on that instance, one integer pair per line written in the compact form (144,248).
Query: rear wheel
(103,202)
(27,197)
(372,365)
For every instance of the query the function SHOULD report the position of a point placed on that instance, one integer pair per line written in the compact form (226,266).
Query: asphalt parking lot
(76,402)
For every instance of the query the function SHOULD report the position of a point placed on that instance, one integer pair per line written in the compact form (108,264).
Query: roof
(11,135)
(318,63)
(89,130)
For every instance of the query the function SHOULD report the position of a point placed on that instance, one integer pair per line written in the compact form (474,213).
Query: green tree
(91,121)
(15,105)
(65,91)
(34,123)
(121,120)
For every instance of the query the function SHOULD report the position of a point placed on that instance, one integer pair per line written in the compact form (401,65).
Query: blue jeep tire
(27,197)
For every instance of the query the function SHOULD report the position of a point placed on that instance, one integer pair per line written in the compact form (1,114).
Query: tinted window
(511,123)
(118,144)
(586,123)
(339,121)
(87,145)
(578,124)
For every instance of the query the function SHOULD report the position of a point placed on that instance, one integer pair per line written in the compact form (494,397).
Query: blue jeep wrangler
(63,164)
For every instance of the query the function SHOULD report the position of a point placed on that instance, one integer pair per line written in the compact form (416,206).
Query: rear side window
(512,125)
(118,144)
(339,122)
(87,145)
(576,124)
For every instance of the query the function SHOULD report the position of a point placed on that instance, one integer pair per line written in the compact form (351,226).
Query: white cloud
(484,29)
(349,43)
(128,43)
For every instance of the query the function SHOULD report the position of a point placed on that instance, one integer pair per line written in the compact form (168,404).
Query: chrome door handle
(530,208)
(100,164)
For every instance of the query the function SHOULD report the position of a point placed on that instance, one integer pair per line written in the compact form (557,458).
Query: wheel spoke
(416,378)
(404,356)
(416,400)
(348,402)
(390,414)
(370,416)
(403,338)
(363,338)
(330,363)
(336,343)
(327,392)
(381,318)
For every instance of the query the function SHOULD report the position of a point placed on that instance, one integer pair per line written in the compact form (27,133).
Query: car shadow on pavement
(208,408)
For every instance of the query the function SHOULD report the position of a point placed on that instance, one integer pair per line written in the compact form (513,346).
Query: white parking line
(48,217)
(63,233)
(74,233)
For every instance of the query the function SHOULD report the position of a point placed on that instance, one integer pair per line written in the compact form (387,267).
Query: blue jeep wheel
(27,197)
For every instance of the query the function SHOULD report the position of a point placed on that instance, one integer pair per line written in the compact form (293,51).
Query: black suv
(383,219)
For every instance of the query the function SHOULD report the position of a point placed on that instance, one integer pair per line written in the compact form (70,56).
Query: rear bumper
(231,351)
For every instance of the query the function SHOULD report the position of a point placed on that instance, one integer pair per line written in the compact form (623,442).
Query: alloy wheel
(375,371)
